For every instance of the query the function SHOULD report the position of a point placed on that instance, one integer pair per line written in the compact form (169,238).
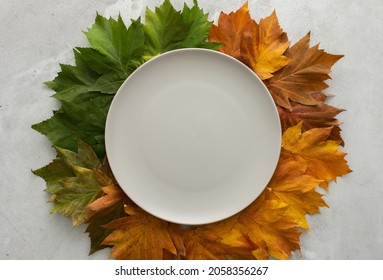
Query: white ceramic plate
(193,136)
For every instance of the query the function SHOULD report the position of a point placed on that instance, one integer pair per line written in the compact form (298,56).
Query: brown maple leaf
(229,31)
(321,115)
(139,236)
(323,158)
(263,46)
(304,76)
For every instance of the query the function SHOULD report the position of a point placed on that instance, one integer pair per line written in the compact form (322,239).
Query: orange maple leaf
(304,76)
(263,46)
(229,30)
(139,236)
(260,46)
(113,195)
(323,158)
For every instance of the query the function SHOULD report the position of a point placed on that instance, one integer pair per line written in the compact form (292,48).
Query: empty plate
(193,136)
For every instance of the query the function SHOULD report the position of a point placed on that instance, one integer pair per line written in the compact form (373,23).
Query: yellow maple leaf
(323,158)
(268,226)
(263,46)
(201,243)
(290,185)
(139,236)
(207,243)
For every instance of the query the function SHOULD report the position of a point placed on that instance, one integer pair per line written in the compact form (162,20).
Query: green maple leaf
(85,89)
(82,117)
(53,173)
(168,29)
(72,180)
(164,29)
(116,52)
(75,194)
(199,28)
(123,47)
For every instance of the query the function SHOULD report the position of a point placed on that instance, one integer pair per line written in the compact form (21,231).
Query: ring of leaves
(82,185)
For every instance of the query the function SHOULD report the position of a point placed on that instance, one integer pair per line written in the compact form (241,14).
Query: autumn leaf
(112,195)
(202,243)
(139,236)
(260,46)
(105,209)
(75,194)
(108,207)
(97,221)
(303,76)
(323,158)
(294,76)
(238,246)
(229,31)
(74,181)
(292,186)
(267,225)
(62,167)
(205,243)
(263,45)
(321,115)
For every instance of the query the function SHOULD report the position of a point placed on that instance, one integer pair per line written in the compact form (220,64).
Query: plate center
(193,135)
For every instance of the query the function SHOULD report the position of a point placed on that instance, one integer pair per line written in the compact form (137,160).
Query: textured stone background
(36,35)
